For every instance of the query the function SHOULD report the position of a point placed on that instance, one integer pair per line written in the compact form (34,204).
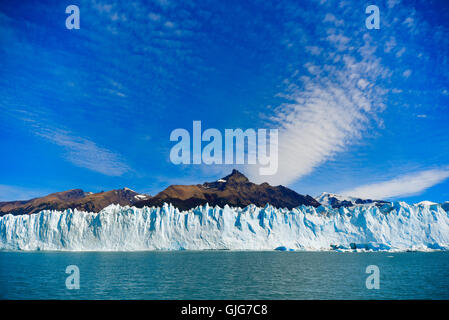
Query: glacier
(395,227)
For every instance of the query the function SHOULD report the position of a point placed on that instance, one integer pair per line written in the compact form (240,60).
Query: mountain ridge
(234,189)
(337,201)
(74,199)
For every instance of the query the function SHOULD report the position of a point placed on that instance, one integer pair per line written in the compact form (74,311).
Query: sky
(360,112)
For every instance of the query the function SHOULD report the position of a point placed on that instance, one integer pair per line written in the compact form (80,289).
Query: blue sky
(361,112)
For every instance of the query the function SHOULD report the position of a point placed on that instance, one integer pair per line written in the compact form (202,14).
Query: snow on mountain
(396,226)
(337,201)
(329,199)
(426,203)
(141,196)
(234,189)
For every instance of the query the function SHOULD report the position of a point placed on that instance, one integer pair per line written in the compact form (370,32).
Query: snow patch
(426,203)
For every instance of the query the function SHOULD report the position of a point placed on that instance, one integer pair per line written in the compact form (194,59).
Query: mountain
(235,190)
(337,201)
(76,198)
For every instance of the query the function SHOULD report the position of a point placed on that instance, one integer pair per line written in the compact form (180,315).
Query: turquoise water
(224,275)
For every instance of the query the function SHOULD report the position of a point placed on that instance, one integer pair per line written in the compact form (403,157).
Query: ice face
(398,226)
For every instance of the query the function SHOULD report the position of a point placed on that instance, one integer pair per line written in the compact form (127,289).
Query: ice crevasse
(396,226)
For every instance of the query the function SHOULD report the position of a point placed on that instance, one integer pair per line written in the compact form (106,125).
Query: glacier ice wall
(393,227)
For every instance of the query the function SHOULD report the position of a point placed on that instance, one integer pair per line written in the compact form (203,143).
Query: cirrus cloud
(406,185)
(85,153)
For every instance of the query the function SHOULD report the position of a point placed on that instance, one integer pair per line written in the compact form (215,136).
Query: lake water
(224,275)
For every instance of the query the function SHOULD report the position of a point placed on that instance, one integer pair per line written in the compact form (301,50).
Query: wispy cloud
(405,185)
(331,18)
(324,118)
(407,73)
(330,107)
(409,22)
(392,3)
(400,52)
(80,151)
(9,193)
(85,153)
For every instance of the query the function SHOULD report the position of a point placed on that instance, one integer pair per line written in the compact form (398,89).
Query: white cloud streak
(331,105)
(86,154)
(406,185)
(326,115)
(10,193)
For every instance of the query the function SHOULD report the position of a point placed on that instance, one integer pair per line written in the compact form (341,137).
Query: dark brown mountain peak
(234,180)
(73,194)
(236,177)
(235,190)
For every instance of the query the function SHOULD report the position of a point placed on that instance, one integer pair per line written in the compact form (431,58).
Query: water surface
(224,275)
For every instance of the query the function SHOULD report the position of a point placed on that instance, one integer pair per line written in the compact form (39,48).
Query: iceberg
(392,227)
